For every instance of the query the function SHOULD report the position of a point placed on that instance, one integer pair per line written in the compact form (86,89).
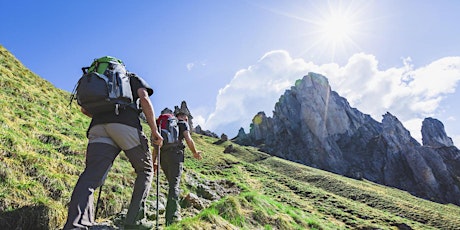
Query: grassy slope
(278,194)
(42,144)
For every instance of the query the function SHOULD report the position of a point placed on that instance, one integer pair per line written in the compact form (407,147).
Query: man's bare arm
(149,112)
(191,145)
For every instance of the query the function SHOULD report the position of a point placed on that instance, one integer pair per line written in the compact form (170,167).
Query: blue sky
(231,59)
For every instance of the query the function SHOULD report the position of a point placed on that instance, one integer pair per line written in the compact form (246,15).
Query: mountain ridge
(320,129)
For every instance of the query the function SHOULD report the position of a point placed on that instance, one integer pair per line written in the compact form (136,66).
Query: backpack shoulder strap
(142,82)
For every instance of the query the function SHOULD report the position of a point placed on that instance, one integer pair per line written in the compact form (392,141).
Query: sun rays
(331,30)
(336,29)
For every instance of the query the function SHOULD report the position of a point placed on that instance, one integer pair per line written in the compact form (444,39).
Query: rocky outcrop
(434,135)
(313,125)
(184,109)
(208,133)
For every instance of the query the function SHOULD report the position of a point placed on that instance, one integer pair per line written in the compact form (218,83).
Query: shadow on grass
(27,217)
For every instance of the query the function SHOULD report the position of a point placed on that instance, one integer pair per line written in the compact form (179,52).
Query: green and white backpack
(104,86)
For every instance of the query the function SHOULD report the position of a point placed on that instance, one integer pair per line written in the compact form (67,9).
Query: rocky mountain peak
(395,131)
(433,134)
(315,126)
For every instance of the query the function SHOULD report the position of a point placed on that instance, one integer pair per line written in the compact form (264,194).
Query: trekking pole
(100,192)
(158,185)
(97,202)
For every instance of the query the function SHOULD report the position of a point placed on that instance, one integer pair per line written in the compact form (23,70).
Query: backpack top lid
(104,86)
(163,120)
(99,65)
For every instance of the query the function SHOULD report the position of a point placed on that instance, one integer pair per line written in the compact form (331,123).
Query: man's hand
(156,138)
(197,155)
(155,168)
(155,151)
(85,112)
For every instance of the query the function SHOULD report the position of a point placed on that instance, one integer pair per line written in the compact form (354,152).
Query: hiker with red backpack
(174,130)
(111,96)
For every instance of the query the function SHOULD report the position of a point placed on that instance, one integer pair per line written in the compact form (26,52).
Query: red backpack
(167,123)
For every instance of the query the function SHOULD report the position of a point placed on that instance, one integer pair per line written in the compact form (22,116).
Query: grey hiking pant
(172,160)
(105,143)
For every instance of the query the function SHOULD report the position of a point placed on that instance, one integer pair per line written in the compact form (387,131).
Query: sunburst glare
(332,29)
(337,28)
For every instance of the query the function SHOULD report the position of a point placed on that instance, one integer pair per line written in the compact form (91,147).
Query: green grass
(42,147)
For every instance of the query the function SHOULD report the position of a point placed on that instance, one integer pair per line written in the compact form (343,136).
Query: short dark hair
(181,113)
(178,111)
(166,111)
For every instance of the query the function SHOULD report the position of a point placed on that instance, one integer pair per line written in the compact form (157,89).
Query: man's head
(166,111)
(180,111)
(181,114)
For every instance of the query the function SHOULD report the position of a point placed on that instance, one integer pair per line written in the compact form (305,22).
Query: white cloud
(408,93)
(192,65)
(198,117)
(199,120)
(414,126)
(456,140)
(256,88)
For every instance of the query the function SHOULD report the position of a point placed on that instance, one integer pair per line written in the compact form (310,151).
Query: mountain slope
(42,145)
(39,145)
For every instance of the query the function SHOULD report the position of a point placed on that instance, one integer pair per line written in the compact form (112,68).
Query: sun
(329,30)
(336,29)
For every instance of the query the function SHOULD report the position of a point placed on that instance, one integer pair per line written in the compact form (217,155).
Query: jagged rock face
(184,109)
(433,134)
(314,126)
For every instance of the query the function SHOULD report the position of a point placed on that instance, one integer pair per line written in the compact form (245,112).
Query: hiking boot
(143,224)
(175,219)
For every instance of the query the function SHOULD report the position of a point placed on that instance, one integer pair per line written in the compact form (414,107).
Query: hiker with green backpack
(111,96)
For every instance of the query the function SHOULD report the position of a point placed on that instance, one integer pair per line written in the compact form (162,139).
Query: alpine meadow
(42,153)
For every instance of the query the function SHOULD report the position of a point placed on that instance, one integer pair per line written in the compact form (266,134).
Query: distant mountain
(314,126)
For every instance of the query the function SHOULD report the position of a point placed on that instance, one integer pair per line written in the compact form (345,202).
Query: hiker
(171,162)
(110,132)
